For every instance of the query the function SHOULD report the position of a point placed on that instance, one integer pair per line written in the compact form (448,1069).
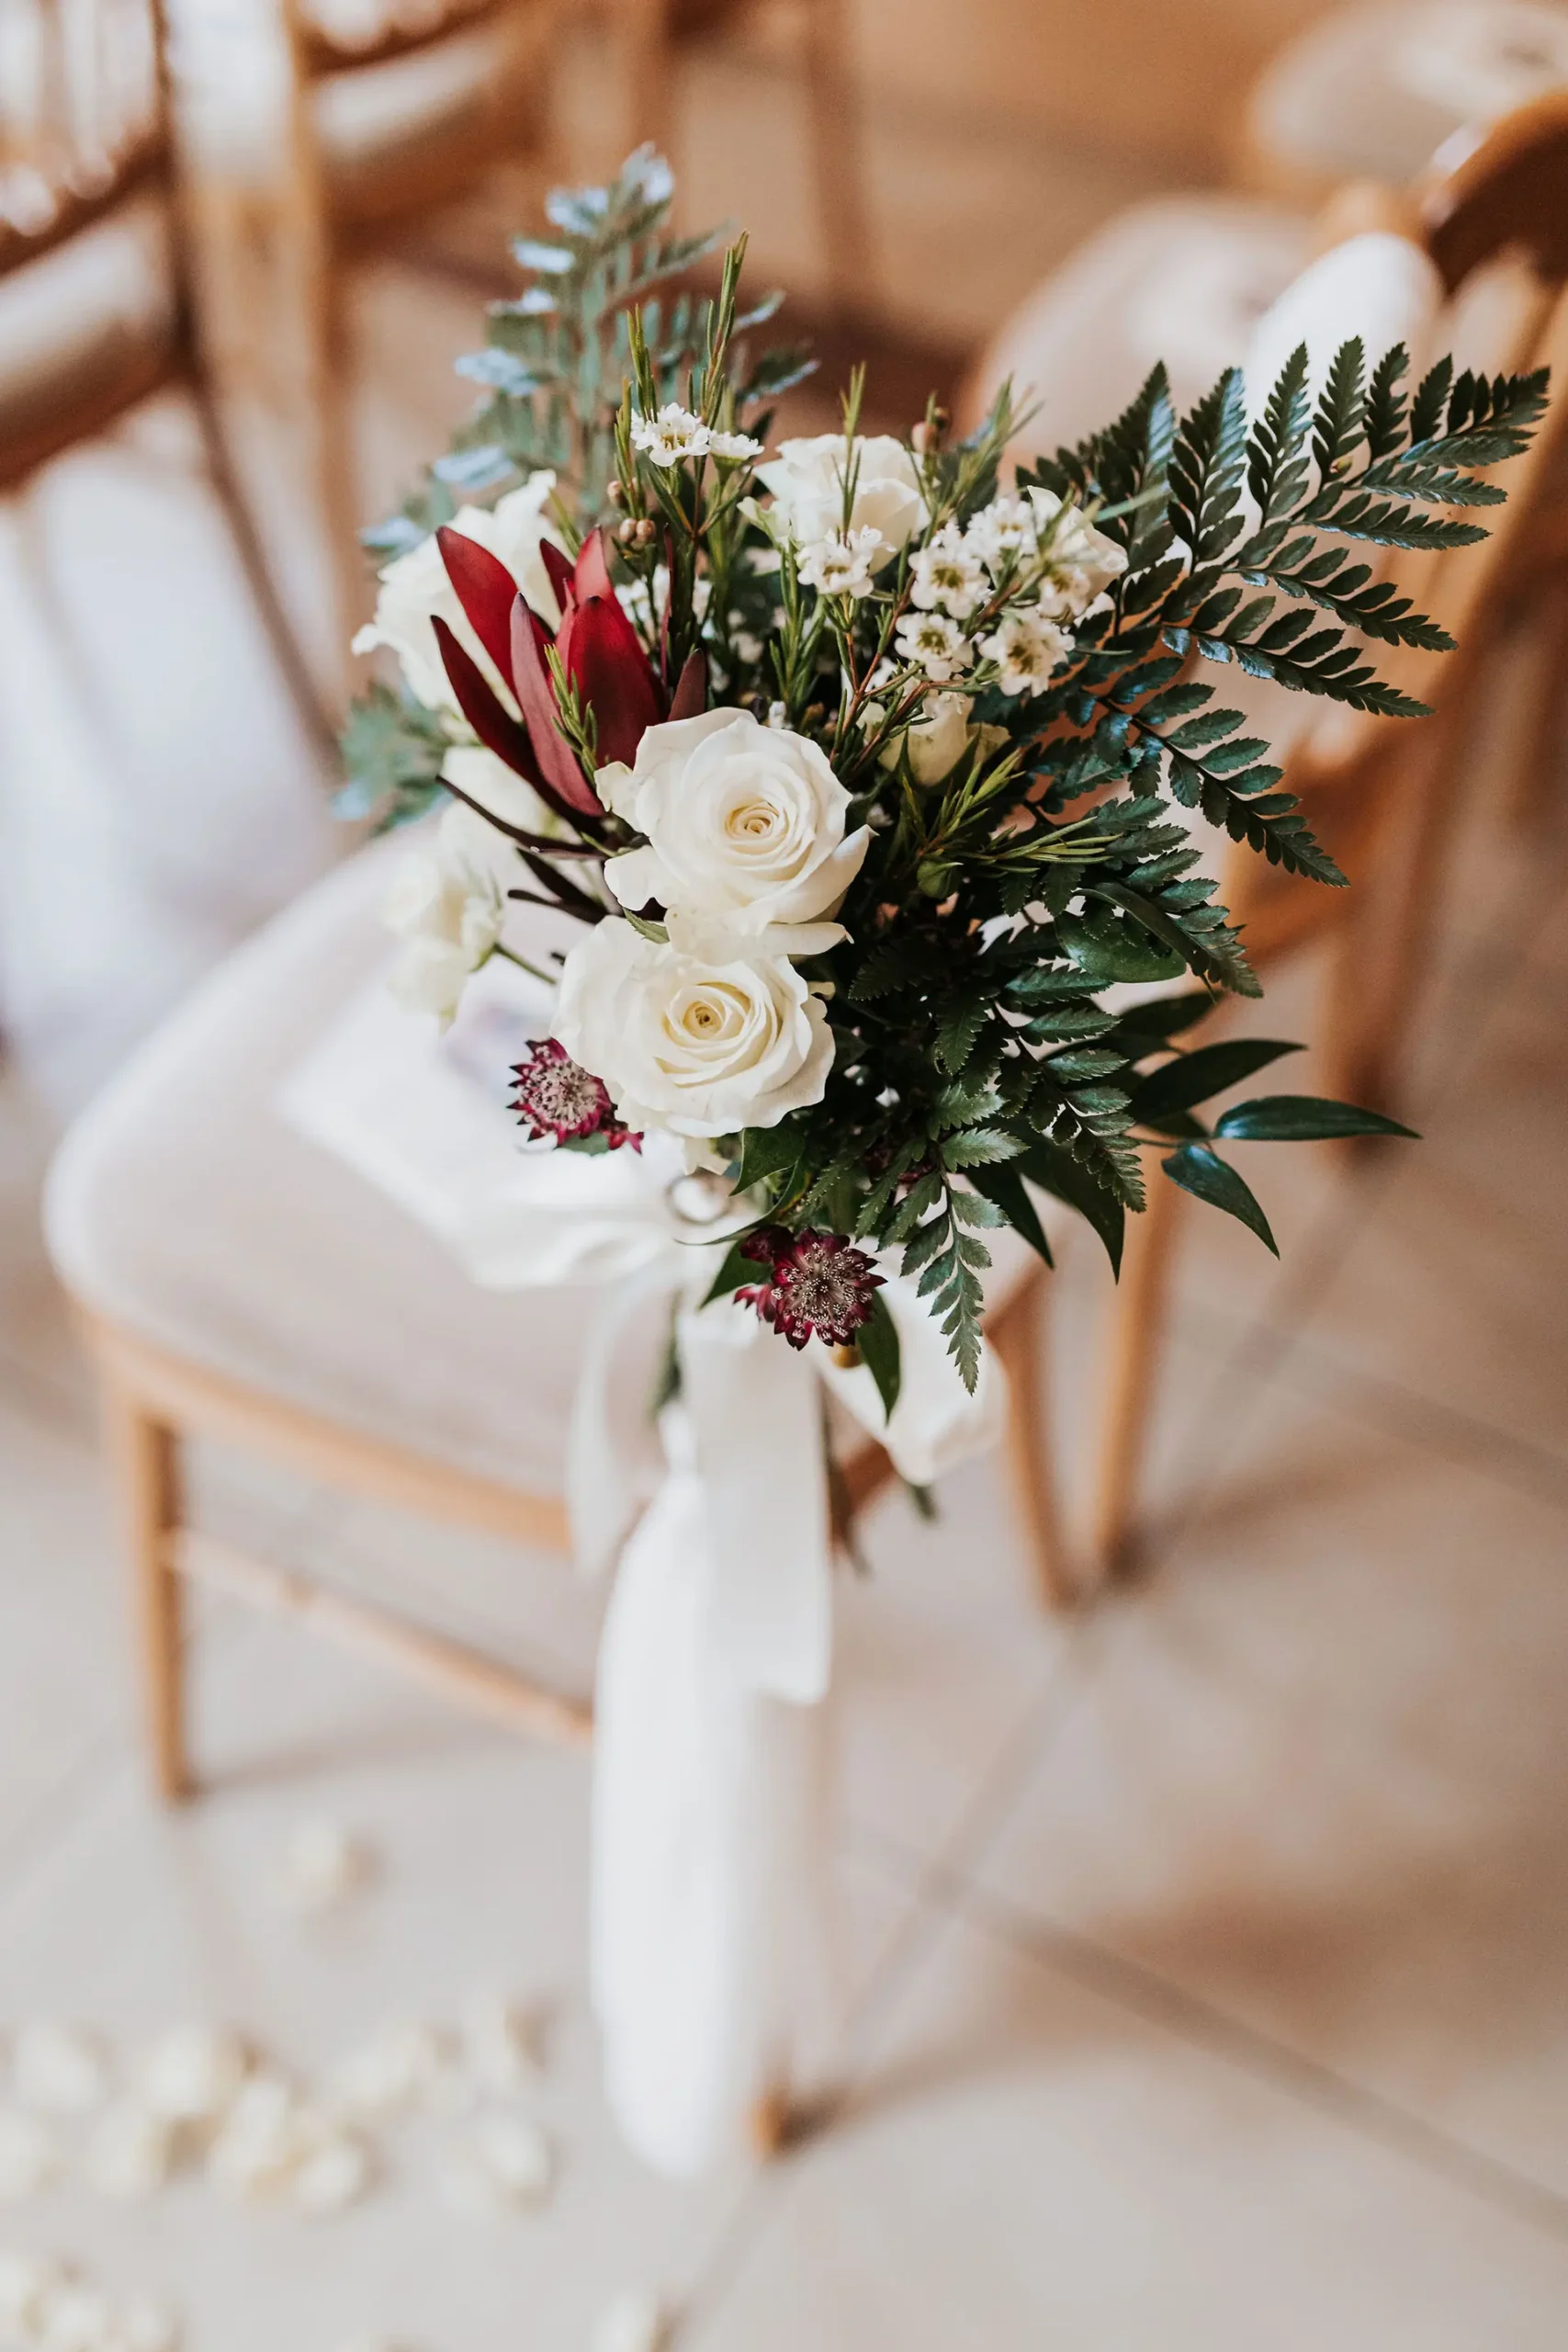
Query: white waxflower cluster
(844,562)
(1048,550)
(676,433)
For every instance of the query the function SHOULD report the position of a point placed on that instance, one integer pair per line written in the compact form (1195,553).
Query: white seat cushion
(1184,280)
(183,1208)
(1374,90)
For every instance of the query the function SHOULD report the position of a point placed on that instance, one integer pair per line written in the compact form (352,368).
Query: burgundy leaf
(485,590)
(482,708)
(535,695)
(690,698)
(610,671)
(561,573)
(592,576)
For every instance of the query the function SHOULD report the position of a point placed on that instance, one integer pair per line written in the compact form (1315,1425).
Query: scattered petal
(333,2176)
(507,2163)
(76,2318)
(632,2322)
(59,2069)
(29,2159)
(131,2152)
(193,2073)
(264,2134)
(322,1864)
(519,2155)
(406,2065)
(142,2325)
(500,2042)
(26,2280)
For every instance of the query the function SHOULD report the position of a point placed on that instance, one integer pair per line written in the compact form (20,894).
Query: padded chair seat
(183,1208)
(84,328)
(1374,90)
(1184,280)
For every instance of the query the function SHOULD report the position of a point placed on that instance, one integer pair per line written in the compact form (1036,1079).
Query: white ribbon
(717,1649)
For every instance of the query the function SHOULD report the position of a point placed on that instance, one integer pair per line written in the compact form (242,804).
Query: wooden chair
(237,1282)
(1372,90)
(654,35)
(1383,792)
(97,301)
(318,134)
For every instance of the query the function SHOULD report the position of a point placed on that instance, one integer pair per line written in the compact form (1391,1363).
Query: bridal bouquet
(870,770)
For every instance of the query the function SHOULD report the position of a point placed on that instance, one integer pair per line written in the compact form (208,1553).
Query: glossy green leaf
(1193,1078)
(1302,1119)
(877,1340)
(1055,1171)
(1204,1173)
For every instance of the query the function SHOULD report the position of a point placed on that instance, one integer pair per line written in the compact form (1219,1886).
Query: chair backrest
(1497,197)
(82,116)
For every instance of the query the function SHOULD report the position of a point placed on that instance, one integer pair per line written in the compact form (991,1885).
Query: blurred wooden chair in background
(1383,792)
(1371,91)
(655,36)
(318,134)
(96,305)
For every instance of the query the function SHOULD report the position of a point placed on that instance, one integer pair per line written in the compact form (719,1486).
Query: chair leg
(145,1456)
(770,2121)
(1137,1328)
(1017,1338)
(1545,748)
(1393,937)
(838,153)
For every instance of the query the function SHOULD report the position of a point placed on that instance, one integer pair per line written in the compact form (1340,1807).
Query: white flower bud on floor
(632,2322)
(59,2069)
(131,2152)
(29,2158)
(322,1864)
(193,2073)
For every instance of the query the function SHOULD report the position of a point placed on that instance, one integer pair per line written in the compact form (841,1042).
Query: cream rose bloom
(414,589)
(807,480)
(743,821)
(447,901)
(702,1036)
(938,741)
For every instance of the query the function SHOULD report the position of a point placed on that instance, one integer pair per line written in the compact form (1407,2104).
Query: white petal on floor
(59,2069)
(405,2064)
(75,2317)
(322,1864)
(26,2280)
(193,2072)
(29,2155)
(263,2137)
(331,2177)
(632,2322)
(130,2150)
(501,2041)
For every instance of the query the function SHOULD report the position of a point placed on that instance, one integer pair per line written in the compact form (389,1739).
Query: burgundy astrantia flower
(557,1097)
(817,1283)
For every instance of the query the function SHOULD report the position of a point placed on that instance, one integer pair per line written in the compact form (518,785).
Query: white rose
(743,821)
(702,1035)
(1082,561)
(938,741)
(414,589)
(447,903)
(807,480)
